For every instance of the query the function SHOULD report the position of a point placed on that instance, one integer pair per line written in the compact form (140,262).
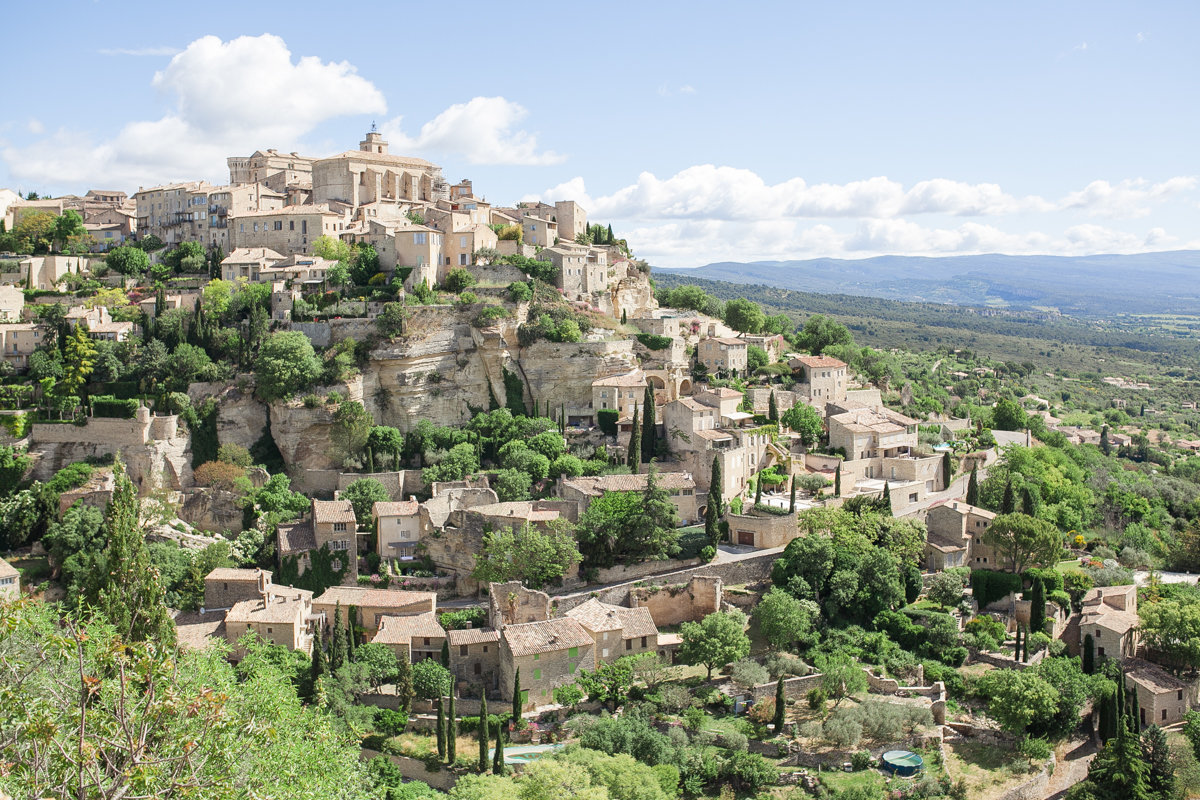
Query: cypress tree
(370,460)
(404,684)
(446,653)
(758,491)
(1105,447)
(772,408)
(451,732)
(712,513)
(441,731)
(1028,501)
(1008,503)
(483,730)
(516,705)
(1119,770)
(780,706)
(885,504)
(317,668)
(337,644)
(947,470)
(1017,646)
(1025,647)
(498,754)
(351,623)
(562,419)
(126,590)
(609,236)
(1108,713)
(648,425)
(624,318)
(635,445)
(837,480)
(973,487)
(1135,714)
(792,502)
(1157,755)
(1089,655)
(1037,606)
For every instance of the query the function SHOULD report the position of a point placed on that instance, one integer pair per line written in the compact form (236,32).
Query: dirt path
(1073,761)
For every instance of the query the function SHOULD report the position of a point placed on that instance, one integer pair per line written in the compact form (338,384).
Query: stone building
(18,341)
(331,525)
(419,634)
(10,581)
(225,587)
(549,654)
(12,302)
(248,263)
(278,170)
(372,605)
(679,486)
(762,531)
(279,614)
(723,354)
(822,379)
(955,536)
(624,393)
(397,529)
(616,631)
(475,657)
(1163,699)
(1109,615)
(371,174)
(290,230)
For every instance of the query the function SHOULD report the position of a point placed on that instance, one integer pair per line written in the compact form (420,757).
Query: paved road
(1142,577)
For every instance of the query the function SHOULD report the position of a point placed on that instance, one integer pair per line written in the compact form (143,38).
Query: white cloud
(687,88)
(1128,198)
(35,126)
(710,192)
(1080,46)
(1141,37)
(481,131)
(138,51)
(229,97)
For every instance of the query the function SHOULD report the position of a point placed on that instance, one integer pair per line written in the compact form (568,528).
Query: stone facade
(762,530)
(373,605)
(225,587)
(687,602)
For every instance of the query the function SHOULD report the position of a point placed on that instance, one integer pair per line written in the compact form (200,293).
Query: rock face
(158,464)
(211,510)
(241,419)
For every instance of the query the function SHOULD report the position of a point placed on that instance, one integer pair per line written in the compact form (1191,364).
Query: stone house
(373,605)
(538,231)
(12,301)
(1109,614)
(330,524)
(475,657)
(290,230)
(548,653)
(880,444)
(10,581)
(1163,699)
(44,272)
(822,378)
(760,530)
(397,529)
(679,486)
(18,341)
(625,393)
(225,587)
(572,219)
(723,354)
(279,614)
(419,634)
(773,344)
(168,211)
(616,631)
(270,166)
(954,539)
(248,263)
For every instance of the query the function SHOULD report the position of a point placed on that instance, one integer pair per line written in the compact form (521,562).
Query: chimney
(470,624)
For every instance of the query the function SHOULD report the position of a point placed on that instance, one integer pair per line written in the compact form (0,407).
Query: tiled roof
(819,362)
(7,570)
(234,574)
(472,636)
(714,436)
(1112,619)
(405,508)
(1151,677)
(545,637)
(333,511)
(195,631)
(251,255)
(396,630)
(727,340)
(376,598)
(723,392)
(597,616)
(629,483)
(296,537)
(964,507)
(631,379)
(517,509)
(692,405)
(280,609)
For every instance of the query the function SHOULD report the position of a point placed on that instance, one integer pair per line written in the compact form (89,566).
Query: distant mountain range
(1103,285)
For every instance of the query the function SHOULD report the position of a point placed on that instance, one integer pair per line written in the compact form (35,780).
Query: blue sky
(701,131)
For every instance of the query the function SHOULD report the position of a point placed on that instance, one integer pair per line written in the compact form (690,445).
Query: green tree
(805,421)
(717,640)
(1089,655)
(1017,698)
(634,459)
(1023,542)
(715,507)
(1170,626)
(1161,777)
(1119,771)
(458,280)
(382,664)
(441,729)
(337,640)
(126,590)
(772,408)
(1037,606)
(744,315)
(404,680)
(973,487)
(533,555)
(517,700)
(837,480)
(784,620)
(498,767)
(756,358)
(67,227)
(317,667)
(885,499)
(820,332)
(430,679)
(609,683)
(649,429)
(483,730)
(363,494)
(780,707)
(79,359)
(286,364)
(841,675)
(628,526)
(451,732)
(1009,416)
(945,589)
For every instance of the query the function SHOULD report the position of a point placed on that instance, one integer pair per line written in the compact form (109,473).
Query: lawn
(988,770)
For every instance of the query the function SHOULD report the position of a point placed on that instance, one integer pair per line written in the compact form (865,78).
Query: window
(537,656)
(912,498)
(1164,713)
(462,650)
(339,527)
(643,641)
(291,225)
(537,675)
(478,668)
(419,238)
(1179,695)
(426,641)
(269,630)
(629,644)
(573,652)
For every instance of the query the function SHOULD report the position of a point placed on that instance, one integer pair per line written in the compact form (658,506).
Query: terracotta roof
(944,545)
(517,509)
(820,361)
(631,379)
(691,404)
(965,507)
(728,340)
(283,607)
(1151,677)
(195,631)
(405,508)
(472,636)
(546,637)
(234,574)
(723,392)
(1111,619)
(250,255)
(376,598)
(597,616)
(296,537)
(7,570)
(333,511)
(714,436)
(398,630)
(629,483)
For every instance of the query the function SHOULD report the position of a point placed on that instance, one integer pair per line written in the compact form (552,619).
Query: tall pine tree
(125,590)
(1089,655)
(947,470)
(498,754)
(516,703)
(1028,501)
(483,730)
(714,509)
(351,631)
(837,480)
(648,425)
(451,732)
(1008,503)
(973,487)
(885,500)
(441,730)
(1161,778)
(635,445)
(780,706)
(318,667)
(404,681)
(1037,606)
(792,502)
(337,641)
(772,408)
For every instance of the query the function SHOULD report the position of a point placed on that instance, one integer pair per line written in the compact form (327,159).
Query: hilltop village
(343,422)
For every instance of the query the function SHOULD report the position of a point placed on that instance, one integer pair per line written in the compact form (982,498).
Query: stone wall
(767,530)
(241,419)
(99,430)
(688,602)
(393,482)
(323,334)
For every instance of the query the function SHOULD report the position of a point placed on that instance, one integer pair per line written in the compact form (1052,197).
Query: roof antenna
(372,126)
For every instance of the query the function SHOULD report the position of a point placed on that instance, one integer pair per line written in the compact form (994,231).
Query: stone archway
(685,387)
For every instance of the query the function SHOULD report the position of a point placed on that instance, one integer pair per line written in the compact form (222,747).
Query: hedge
(654,342)
(988,586)
(607,418)
(105,405)
(691,542)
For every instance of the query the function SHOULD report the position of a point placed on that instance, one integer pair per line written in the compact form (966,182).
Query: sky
(700,131)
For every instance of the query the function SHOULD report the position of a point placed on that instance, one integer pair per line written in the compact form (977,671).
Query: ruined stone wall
(689,602)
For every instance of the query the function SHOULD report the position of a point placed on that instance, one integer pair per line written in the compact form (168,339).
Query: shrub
(519,291)
(606,419)
(693,718)
(654,342)
(218,475)
(860,760)
(457,620)
(105,405)
(785,664)
(458,279)
(235,454)
(674,698)
(390,722)
(989,586)
(489,314)
(748,674)
(816,698)
(842,731)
